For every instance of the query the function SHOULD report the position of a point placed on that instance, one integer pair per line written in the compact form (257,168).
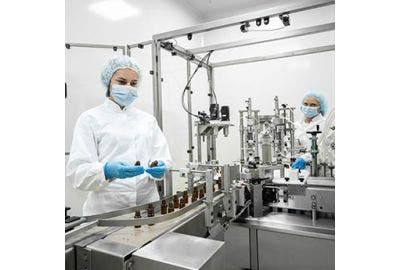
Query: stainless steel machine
(256,213)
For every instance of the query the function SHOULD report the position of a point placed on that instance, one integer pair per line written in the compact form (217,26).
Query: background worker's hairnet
(116,63)
(321,99)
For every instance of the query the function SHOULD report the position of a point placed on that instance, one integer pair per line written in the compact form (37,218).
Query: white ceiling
(208,10)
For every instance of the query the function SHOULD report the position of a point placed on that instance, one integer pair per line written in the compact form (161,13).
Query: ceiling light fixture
(114,10)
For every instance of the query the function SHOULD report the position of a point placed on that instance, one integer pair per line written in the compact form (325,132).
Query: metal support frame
(157,88)
(274,36)
(199,154)
(161,41)
(209,219)
(211,82)
(275,56)
(138,45)
(241,129)
(249,17)
(230,199)
(184,53)
(69,45)
(189,104)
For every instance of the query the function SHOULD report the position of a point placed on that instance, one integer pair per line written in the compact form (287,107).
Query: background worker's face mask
(309,112)
(123,94)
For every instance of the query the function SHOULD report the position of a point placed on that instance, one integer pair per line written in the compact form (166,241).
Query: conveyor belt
(141,236)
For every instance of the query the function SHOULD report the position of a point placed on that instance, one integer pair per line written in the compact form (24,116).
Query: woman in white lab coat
(110,141)
(314,107)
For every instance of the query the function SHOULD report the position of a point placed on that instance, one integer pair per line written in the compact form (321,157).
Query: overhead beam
(68,45)
(275,56)
(138,45)
(274,36)
(185,54)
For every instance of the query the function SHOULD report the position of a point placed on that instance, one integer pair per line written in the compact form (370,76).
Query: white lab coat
(303,139)
(327,144)
(107,133)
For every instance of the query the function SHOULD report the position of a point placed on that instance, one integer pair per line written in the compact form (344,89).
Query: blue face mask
(309,112)
(123,94)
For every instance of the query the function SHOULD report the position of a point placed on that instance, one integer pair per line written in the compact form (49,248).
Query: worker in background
(110,139)
(314,107)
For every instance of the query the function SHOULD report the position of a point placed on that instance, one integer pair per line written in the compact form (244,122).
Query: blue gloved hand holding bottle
(157,169)
(121,170)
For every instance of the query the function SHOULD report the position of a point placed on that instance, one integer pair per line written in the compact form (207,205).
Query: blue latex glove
(157,171)
(299,163)
(160,163)
(121,170)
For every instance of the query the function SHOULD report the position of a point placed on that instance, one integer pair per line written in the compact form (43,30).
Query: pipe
(190,123)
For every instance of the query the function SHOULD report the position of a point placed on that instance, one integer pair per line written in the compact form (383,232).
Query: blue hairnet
(116,63)
(321,99)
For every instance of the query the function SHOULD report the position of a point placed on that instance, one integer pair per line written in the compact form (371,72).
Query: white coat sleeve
(84,170)
(160,149)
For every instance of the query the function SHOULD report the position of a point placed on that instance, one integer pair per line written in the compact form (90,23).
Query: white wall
(288,78)
(83,66)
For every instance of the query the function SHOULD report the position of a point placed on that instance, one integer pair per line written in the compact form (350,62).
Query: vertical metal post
(128,50)
(313,215)
(256,121)
(168,183)
(189,103)
(241,129)
(124,50)
(314,154)
(214,146)
(157,96)
(292,133)
(253,249)
(230,195)
(209,146)
(198,143)
(210,74)
(209,198)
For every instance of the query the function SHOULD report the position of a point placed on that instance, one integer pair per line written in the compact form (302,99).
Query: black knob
(66,211)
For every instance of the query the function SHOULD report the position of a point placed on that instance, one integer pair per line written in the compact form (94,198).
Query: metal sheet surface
(237,248)
(140,236)
(180,251)
(106,254)
(280,251)
(292,224)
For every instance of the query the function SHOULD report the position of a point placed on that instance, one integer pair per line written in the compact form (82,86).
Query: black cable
(190,79)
